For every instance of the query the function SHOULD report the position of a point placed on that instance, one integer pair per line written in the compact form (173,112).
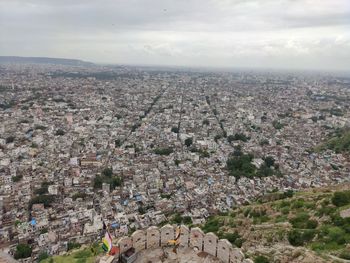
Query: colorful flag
(107,242)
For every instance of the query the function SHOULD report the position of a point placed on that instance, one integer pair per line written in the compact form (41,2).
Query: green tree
(60,132)
(188,142)
(341,198)
(42,256)
(23,251)
(261,259)
(269,161)
(175,129)
(108,172)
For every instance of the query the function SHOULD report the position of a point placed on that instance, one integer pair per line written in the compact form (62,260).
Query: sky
(300,34)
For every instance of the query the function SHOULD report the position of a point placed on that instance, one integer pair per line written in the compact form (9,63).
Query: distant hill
(43,60)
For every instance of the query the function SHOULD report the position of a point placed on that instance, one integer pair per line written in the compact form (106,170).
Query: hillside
(339,142)
(311,226)
(308,226)
(43,60)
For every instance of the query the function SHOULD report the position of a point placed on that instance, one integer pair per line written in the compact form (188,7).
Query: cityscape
(133,147)
(160,131)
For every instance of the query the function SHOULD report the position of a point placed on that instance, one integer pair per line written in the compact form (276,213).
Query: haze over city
(301,34)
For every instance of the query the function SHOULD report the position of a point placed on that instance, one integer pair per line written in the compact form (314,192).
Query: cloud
(228,33)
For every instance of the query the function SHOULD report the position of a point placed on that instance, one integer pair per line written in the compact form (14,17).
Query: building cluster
(132,147)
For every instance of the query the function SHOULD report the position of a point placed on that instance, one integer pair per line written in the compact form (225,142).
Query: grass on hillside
(82,255)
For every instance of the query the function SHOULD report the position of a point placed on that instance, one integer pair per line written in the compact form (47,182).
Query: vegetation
(60,132)
(42,199)
(341,198)
(10,139)
(163,151)
(261,259)
(240,165)
(175,129)
(72,245)
(113,181)
(188,142)
(238,137)
(23,251)
(339,142)
(17,178)
(42,256)
(277,125)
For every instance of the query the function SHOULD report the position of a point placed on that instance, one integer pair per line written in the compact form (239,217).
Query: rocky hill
(309,226)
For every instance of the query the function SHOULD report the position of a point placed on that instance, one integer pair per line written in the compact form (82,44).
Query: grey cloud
(182,32)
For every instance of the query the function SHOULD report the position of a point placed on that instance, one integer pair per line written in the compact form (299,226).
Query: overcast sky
(311,34)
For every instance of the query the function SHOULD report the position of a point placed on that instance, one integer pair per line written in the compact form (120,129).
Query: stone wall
(154,237)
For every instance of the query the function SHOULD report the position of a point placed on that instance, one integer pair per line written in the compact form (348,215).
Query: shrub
(345,254)
(299,237)
(23,251)
(175,129)
(42,256)
(341,198)
(188,142)
(60,132)
(16,178)
(261,259)
(72,245)
(163,151)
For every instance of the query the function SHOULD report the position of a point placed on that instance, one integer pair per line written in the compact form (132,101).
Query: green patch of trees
(17,178)
(277,125)
(42,256)
(238,137)
(298,237)
(303,221)
(23,251)
(339,143)
(163,151)
(72,245)
(188,142)
(47,200)
(10,139)
(175,129)
(341,198)
(60,132)
(261,259)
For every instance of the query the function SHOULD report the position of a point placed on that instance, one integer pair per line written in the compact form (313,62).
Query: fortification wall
(154,237)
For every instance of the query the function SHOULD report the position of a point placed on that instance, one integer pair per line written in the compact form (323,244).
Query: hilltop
(43,60)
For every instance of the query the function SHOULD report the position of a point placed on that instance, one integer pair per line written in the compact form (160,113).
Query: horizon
(287,35)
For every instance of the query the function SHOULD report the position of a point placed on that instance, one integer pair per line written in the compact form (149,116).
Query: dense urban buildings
(136,147)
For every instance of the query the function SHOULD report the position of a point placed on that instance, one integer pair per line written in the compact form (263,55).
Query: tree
(60,132)
(42,256)
(10,139)
(23,251)
(17,178)
(72,245)
(175,129)
(341,198)
(269,161)
(277,125)
(298,237)
(188,142)
(42,199)
(108,172)
(118,143)
(205,122)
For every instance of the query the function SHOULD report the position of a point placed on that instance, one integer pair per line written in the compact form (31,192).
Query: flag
(107,242)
